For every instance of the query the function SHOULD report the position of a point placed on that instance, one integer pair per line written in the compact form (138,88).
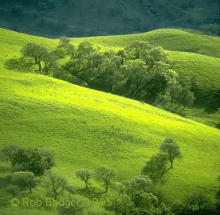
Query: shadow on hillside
(90,193)
(5,181)
(218,125)
(19,64)
(211,109)
(4,169)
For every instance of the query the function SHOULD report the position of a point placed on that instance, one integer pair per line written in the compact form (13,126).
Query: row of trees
(140,71)
(138,195)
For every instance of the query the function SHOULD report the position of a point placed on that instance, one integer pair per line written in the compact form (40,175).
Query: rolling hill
(194,53)
(88,128)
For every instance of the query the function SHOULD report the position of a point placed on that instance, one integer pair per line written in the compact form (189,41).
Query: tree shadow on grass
(5,181)
(210,110)
(90,193)
(20,64)
(5,169)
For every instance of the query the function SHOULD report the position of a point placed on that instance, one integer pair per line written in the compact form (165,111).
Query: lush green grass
(88,127)
(84,124)
(205,68)
(183,47)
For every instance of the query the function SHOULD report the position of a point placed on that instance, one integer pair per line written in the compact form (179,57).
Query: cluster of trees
(41,55)
(165,12)
(140,71)
(28,164)
(138,195)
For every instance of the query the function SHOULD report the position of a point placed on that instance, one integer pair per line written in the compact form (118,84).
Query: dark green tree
(135,72)
(163,209)
(155,55)
(35,160)
(64,41)
(197,200)
(14,190)
(55,184)
(65,48)
(25,179)
(50,61)
(96,60)
(34,51)
(181,96)
(175,90)
(84,175)
(186,98)
(121,204)
(9,152)
(84,51)
(171,149)
(140,183)
(105,175)
(138,49)
(157,82)
(123,56)
(178,207)
(145,201)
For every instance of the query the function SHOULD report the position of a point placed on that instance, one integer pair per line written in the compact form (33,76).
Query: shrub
(25,179)
(12,189)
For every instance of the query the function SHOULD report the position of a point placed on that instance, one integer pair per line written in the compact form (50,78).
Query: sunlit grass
(87,125)
(88,128)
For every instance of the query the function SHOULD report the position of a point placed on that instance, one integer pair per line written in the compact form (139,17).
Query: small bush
(5,198)
(14,190)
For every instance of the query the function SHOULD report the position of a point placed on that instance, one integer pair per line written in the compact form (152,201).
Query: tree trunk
(137,55)
(46,70)
(30,189)
(177,107)
(171,103)
(39,64)
(106,188)
(182,109)
(55,196)
(110,87)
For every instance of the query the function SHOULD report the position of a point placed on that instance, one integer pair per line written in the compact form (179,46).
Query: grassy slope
(86,125)
(183,47)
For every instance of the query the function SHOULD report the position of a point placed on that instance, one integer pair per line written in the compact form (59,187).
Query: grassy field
(87,127)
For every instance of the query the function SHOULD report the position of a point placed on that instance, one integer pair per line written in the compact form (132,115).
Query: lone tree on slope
(84,175)
(170,147)
(55,184)
(105,175)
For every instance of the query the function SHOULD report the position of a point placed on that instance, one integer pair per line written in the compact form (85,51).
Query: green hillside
(194,53)
(41,111)
(87,127)
(182,47)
